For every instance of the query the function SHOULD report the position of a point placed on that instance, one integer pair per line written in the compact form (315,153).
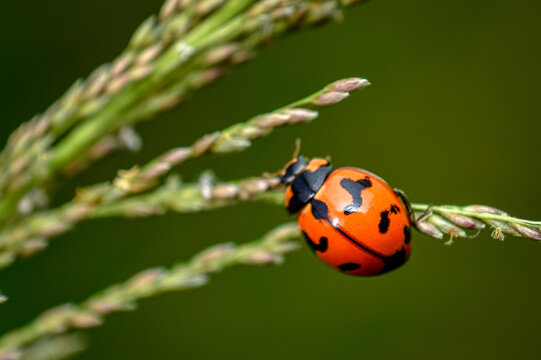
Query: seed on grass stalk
(179,280)
(76,212)
(204,144)
(176,156)
(208,76)
(213,253)
(429,229)
(117,83)
(73,96)
(283,12)
(168,9)
(139,72)
(241,57)
(53,229)
(147,278)
(464,221)
(206,6)
(445,226)
(54,348)
(148,54)
(271,120)
(221,54)
(349,85)
(121,64)
(331,98)
(300,115)
(41,126)
(33,246)
(320,12)
(528,231)
(97,83)
(85,320)
(18,165)
(262,258)
(225,191)
(182,4)
(143,35)
(253,187)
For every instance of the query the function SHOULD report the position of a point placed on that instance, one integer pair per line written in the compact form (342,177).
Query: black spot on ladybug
(395,209)
(384,222)
(294,205)
(394,261)
(407,234)
(305,186)
(349,266)
(355,188)
(321,247)
(293,170)
(320,210)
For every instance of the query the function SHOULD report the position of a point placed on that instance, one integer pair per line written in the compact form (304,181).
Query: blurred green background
(453,116)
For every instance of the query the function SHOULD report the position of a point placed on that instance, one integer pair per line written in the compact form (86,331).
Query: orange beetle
(351,219)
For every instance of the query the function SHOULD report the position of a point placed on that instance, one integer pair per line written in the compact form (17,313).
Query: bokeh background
(453,116)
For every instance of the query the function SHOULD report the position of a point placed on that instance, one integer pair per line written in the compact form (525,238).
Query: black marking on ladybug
(395,209)
(384,222)
(321,247)
(349,266)
(294,205)
(293,170)
(320,211)
(355,188)
(407,234)
(394,261)
(305,186)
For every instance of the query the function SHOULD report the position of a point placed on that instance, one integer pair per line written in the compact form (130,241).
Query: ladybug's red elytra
(351,218)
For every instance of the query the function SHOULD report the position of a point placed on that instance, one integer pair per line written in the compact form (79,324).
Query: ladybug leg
(407,204)
(409,209)
(425,214)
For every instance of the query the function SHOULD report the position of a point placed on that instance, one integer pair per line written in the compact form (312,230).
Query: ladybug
(351,219)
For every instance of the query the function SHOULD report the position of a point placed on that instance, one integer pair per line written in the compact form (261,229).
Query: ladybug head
(303,180)
(292,169)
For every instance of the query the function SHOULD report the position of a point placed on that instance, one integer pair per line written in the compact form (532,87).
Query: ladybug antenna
(297,148)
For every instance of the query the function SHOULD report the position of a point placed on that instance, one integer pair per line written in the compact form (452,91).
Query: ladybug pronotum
(351,218)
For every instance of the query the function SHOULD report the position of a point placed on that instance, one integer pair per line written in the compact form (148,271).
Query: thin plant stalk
(456,220)
(268,250)
(191,45)
(54,348)
(33,234)
(29,235)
